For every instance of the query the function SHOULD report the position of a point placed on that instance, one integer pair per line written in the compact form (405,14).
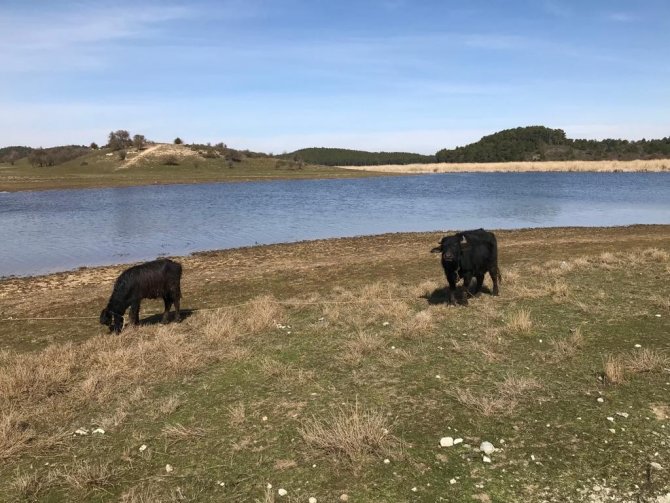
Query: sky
(275,76)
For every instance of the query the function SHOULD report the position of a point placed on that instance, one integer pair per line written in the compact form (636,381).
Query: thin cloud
(621,17)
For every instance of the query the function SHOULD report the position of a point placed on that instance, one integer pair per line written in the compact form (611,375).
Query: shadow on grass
(441,295)
(157,318)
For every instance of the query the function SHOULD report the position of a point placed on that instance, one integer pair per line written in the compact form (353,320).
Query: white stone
(264,418)
(452,481)
(611,419)
(143,448)
(269,486)
(81,431)
(458,441)
(623,414)
(487,448)
(601,399)
(282,492)
(168,468)
(414,489)
(312,500)
(638,345)
(446,441)
(387,461)
(612,430)
(656,466)
(99,431)
(486,459)
(344,497)
(385,324)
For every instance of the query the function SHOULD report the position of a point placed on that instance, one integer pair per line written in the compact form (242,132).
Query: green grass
(97,170)
(312,394)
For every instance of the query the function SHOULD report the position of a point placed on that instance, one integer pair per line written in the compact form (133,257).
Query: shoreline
(635,166)
(345,240)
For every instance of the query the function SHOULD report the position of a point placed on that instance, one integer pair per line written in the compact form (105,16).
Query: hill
(539,143)
(346,157)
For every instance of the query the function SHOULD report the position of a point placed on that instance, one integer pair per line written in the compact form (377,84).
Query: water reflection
(57,230)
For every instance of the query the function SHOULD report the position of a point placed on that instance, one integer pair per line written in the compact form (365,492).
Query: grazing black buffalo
(466,255)
(151,280)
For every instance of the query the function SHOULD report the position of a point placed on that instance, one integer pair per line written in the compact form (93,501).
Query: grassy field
(334,368)
(656,165)
(104,169)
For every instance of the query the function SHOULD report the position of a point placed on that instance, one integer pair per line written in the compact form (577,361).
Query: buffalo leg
(167,300)
(135,313)
(467,279)
(118,323)
(451,279)
(176,298)
(480,282)
(494,273)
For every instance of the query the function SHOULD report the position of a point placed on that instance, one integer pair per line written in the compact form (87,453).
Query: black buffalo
(466,255)
(151,280)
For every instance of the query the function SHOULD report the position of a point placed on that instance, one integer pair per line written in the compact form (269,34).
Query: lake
(60,230)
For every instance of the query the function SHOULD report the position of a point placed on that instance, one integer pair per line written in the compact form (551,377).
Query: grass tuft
(352,434)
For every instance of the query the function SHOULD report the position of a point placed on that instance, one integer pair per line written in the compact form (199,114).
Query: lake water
(60,230)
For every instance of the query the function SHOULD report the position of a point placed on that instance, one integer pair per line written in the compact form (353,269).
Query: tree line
(539,143)
(346,157)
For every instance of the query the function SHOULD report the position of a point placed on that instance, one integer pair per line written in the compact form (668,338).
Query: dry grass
(486,404)
(519,322)
(352,433)
(646,360)
(516,386)
(613,370)
(361,344)
(53,384)
(284,372)
(563,348)
(87,475)
(177,432)
(490,167)
(417,326)
(237,414)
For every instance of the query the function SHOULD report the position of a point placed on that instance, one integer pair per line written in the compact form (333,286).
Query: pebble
(81,431)
(452,481)
(385,324)
(638,345)
(486,459)
(222,484)
(623,414)
(487,448)
(264,418)
(458,441)
(99,430)
(446,441)
(143,448)
(610,419)
(656,466)
(344,497)
(168,468)
(657,315)
(600,399)
(414,489)
(282,492)
(612,430)
(269,486)
(312,500)
(438,377)
(387,461)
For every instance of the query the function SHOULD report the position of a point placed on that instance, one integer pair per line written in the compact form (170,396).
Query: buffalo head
(450,247)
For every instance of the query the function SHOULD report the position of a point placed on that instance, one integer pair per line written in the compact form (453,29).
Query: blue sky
(279,75)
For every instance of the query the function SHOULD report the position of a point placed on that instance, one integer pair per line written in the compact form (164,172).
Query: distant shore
(655,165)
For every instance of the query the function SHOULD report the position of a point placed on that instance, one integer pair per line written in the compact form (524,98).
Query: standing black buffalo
(466,255)
(151,280)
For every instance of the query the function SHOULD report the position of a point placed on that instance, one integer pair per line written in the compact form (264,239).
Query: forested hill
(539,143)
(346,157)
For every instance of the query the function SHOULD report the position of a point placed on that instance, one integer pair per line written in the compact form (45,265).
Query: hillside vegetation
(335,367)
(347,157)
(534,143)
(83,167)
(538,143)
